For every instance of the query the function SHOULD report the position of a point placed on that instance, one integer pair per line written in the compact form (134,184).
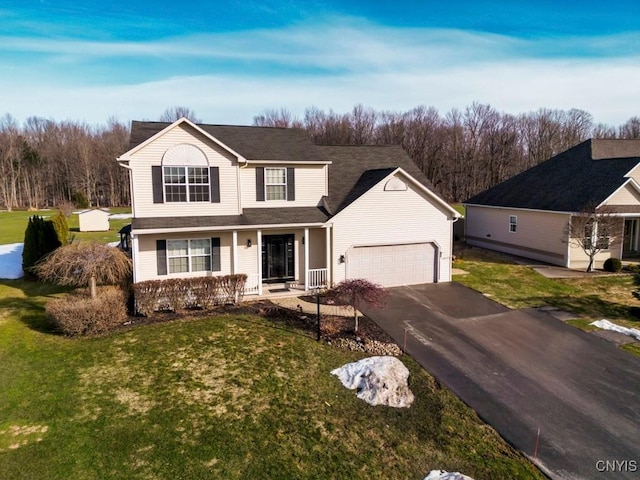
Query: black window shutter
(215,255)
(214,181)
(291,184)
(260,184)
(156,180)
(161,254)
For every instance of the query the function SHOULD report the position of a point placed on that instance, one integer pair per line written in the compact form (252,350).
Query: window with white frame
(186,184)
(598,233)
(513,223)
(189,255)
(275,183)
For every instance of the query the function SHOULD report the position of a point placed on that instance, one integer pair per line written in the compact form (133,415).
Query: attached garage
(392,265)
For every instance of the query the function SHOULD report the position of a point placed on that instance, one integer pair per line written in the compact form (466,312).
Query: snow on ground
(442,475)
(114,244)
(607,325)
(120,216)
(11,260)
(377,381)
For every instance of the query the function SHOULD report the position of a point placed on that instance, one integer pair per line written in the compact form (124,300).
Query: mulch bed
(335,330)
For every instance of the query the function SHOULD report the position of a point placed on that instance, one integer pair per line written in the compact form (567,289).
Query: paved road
(522,370)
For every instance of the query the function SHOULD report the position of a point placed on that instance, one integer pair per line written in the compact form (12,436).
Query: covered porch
(631,240)
(281,260)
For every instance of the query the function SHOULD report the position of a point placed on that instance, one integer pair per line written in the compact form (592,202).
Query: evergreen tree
(61,227)
(40,239)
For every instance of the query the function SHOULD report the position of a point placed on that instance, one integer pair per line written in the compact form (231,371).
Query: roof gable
(569,182)
(248,143)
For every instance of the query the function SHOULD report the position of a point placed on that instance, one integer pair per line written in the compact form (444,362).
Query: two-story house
(267,202)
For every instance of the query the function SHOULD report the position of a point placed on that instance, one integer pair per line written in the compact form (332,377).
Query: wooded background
(45,163)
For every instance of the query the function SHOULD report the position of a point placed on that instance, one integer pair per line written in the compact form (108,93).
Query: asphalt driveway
(523,370)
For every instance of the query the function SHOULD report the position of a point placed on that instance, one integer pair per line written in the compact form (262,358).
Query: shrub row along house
(213,200)
(532,214)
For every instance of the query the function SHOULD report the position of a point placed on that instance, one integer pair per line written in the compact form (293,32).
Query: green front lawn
(518,286)
(232,396)
(14,224)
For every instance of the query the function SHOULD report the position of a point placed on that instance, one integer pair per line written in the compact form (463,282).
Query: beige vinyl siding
(382,217)
(317,251)
(310,184)
(539,235)
(627,195)
(580,260)
(147,264)
(150,155)
(93,221)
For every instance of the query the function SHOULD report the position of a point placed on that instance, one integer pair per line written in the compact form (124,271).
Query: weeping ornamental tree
(85,265)
(357,292)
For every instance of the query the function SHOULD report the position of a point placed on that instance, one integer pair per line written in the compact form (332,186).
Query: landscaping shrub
(177,294)
(40,239)
(77,314)
(612,265)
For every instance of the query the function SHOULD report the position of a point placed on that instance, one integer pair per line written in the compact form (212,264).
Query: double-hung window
(513,223)
(275,183)
(186,184)
(189,255)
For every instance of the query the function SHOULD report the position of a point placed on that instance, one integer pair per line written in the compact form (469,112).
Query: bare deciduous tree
(595,230)
(85,264)
(171,114)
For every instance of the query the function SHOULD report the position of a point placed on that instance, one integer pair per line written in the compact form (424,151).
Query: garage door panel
(391,265)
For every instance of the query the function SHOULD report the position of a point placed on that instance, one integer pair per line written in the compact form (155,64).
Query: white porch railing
(316,278)
(251,287)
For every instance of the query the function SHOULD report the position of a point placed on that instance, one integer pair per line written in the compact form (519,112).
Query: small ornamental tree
(356,293)
(40,239)
(85,264)
(595,230)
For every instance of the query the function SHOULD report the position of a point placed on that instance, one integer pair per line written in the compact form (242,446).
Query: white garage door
(391,265)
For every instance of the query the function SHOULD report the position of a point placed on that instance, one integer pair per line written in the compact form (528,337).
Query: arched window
(186,174)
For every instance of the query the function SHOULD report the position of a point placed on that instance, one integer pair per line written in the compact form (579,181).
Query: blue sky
(230,60)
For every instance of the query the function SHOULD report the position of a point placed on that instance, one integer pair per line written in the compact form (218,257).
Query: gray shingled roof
(356,168)
(253,143)
(251,216)
(574,180)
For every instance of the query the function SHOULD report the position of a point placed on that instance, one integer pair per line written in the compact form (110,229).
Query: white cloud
(333,65)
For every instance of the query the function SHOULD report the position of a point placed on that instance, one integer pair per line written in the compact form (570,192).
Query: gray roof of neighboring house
(572,181)
(253,143)
(356,168)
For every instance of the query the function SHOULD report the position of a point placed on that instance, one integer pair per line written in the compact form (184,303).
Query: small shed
(94,220)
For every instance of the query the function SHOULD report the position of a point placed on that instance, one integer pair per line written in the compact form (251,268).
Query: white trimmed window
(189,255)
(186,184)
(513,223)
(275,183)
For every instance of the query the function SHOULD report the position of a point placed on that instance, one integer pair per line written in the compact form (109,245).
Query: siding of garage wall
(539,235)
(392,217)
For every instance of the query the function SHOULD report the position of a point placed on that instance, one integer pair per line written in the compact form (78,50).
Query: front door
(277,258)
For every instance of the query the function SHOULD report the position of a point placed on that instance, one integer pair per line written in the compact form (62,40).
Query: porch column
(134,257)
(306,259)
(234,251)
(636,233)
(259,246)
(327,249)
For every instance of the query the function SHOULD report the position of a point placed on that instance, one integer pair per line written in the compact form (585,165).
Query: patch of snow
(120,216)
(444,475)
(113,244)
(377,381)
(11,261)
(607,325)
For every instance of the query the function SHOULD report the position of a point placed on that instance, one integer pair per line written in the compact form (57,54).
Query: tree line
(44,163)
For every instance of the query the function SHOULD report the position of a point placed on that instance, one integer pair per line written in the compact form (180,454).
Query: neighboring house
(267,202)
(93,220)
(529,214)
